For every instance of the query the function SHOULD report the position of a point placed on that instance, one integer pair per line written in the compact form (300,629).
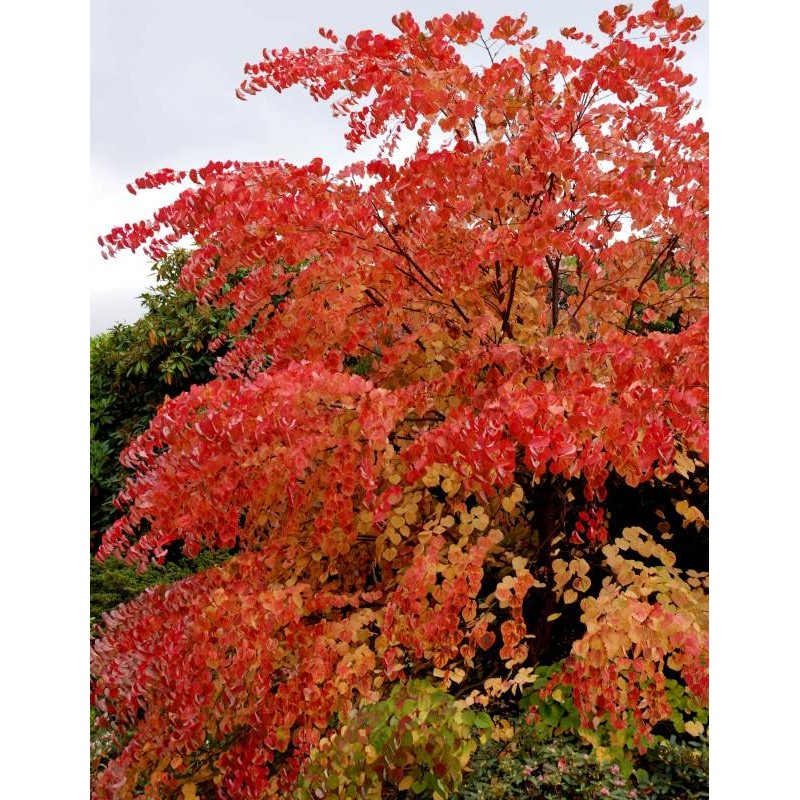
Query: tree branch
(512,285)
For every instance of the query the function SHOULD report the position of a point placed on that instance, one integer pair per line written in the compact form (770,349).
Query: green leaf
(483,720)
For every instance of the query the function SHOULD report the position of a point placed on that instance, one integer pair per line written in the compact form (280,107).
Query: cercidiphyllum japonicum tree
(418,444)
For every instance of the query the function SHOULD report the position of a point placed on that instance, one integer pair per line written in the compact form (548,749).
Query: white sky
(163,76)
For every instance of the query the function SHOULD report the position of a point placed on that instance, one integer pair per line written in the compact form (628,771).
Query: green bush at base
(534,766)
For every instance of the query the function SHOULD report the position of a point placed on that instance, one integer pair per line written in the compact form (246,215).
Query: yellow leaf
(431,477)
(411,515)
(667,558)
(561,579)
(509,503)
(609,551)
(389,553)
(683,464)
(189,791)
(645,548)
(580,566)
(495,536)
(694,728)
(570,596)
(405,783)
(493,685)
(633,533)
(502,731)
(602,754)
(451,486)
(554,616)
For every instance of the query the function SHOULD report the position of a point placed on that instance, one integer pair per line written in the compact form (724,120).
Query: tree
(459,417)
(133,368)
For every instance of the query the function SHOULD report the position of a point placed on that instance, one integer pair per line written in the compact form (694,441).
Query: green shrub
(536,764)
(555,714)
(419,739)
(113,582)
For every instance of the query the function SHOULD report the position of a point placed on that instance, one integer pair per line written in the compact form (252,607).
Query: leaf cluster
(419,740)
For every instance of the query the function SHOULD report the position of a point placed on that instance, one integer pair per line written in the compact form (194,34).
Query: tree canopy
(459,432)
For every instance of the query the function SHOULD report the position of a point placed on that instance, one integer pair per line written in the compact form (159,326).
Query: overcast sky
(163,76)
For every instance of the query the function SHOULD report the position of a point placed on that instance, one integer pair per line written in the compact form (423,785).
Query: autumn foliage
(460,427)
